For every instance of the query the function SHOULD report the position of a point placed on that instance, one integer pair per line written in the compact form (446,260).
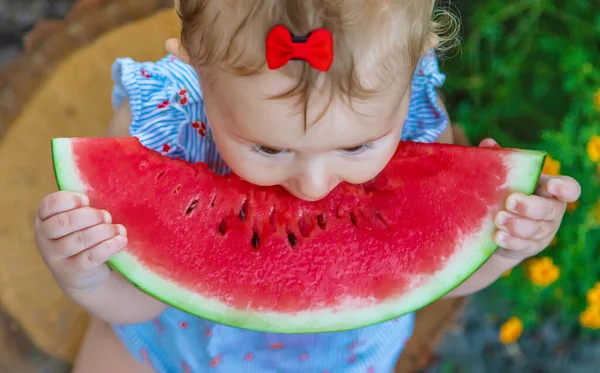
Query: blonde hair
(389,33)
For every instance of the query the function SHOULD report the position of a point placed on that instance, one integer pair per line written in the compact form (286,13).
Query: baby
(303,94)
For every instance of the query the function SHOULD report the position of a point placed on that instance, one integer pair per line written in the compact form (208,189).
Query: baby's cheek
(255,171)
(361,171)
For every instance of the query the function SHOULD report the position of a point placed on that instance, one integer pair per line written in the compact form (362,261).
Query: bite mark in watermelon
(258,258)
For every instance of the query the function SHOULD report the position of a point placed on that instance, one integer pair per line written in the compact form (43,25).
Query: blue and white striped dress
(168,115)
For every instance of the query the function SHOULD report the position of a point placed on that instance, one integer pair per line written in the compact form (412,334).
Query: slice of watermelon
(258,258)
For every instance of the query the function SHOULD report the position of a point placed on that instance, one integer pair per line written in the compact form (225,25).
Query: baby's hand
(529,223)
(76,240)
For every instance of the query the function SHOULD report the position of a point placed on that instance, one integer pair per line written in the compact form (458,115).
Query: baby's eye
(358,149)
(269,152)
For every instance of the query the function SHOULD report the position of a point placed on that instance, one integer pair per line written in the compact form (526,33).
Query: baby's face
(264,140)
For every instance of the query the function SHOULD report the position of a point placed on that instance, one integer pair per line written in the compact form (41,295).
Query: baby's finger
(59,202)
(515,247)
(535,207)
(564,188)
(542,187)
(489,143)
(99,254)
(79,241)
(65,223)
(524,228)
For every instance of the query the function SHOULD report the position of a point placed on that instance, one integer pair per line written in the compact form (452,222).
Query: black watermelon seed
(322,221)
(191,207)
(353,219)
(223,227)
(255,240)
(292,239)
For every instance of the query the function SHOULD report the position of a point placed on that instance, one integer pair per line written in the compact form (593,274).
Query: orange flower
(511,331)
(593,148)
(551,166)
(590,318)
(543,272)
(572,206)
(593,295)
(597,100)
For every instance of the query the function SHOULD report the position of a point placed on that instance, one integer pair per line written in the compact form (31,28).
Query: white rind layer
(350,313)
(65,166)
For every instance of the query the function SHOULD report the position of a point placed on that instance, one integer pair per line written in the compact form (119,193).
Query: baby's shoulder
(159,83)
(167,110)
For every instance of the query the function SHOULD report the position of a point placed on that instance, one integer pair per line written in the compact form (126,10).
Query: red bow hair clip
(316,48)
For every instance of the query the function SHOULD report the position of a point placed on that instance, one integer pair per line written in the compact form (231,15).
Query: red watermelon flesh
(259,258)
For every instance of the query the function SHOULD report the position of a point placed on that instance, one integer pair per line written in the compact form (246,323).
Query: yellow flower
(551,166)
(590,318)
(593,296)
(511,331)
(507,273)
(593,148)
(597,100)
(597,212)
(543,272)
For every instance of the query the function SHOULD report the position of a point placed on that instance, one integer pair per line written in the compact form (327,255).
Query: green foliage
(527,75)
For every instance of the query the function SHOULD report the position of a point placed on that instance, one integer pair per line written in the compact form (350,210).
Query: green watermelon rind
(525,169)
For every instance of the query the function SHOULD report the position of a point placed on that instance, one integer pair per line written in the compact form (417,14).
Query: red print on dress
(163,104)
(183,96)
(355,344)
(166,148)
(201,127)
(215,362)
(145,357)
(158,325)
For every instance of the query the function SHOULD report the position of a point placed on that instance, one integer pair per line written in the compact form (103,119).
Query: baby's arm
(117,301)
(485,276)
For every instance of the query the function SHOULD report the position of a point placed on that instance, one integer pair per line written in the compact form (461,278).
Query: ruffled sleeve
(166,105)
(425,120)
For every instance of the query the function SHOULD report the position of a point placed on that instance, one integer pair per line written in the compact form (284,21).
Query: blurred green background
(527,73)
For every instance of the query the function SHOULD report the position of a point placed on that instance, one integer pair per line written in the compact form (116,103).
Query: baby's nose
(314,185)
